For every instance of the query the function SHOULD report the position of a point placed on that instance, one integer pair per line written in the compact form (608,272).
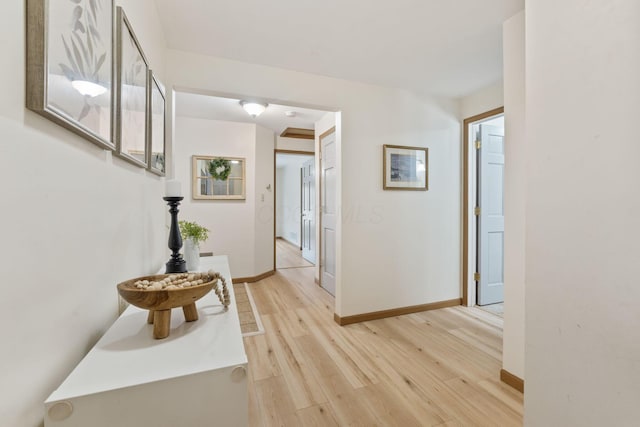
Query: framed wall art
(156,136)
(218,178)
(405,168)
(70,67)
(131,110)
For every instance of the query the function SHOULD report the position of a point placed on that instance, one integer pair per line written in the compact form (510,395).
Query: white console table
(194,377)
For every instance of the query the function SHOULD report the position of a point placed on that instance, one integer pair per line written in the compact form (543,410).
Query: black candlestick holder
(176,264)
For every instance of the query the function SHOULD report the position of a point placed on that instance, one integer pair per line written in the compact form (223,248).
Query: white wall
(514,197)
(264,201)
(295,144)
(288,196)
(583,199)
(486,99)
(76,222)
(419,231)
(231,222)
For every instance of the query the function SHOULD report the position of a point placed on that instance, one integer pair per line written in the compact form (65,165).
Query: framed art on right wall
(405,168)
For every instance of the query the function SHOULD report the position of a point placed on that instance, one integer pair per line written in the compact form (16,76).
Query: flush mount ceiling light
(254,109)
(88,88)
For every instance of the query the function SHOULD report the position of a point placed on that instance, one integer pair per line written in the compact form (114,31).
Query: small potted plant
(192,234)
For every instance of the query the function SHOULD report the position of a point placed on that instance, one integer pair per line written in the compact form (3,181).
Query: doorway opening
(216,125)
(295,207)
(315,220)
(483,211)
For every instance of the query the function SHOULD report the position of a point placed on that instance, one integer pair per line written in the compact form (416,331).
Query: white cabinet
(195,377)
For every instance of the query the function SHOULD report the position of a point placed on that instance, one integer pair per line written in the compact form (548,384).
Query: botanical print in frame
(405,168)
(156,149)
(70,65)
(131,117)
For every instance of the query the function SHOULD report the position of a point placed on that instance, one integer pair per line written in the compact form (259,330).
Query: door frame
(319,241)
(466,213)
(277,151)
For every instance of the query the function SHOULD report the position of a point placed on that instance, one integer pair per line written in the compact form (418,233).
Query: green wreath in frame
(219,169)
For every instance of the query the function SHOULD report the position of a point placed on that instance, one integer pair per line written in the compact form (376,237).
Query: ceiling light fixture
(88,88)
(254,109)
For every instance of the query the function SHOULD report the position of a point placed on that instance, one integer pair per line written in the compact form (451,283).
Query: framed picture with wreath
(218,178)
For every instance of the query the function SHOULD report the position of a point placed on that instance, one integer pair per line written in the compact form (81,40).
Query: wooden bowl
(163,299)
(160,302)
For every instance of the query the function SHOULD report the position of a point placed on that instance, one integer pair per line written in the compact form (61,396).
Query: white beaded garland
(186,280)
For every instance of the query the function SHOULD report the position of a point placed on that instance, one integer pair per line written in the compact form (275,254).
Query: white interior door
(491,218)
(308,203)
(328,213)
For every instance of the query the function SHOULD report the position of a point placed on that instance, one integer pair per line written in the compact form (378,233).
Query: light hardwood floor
(436,368)
(289,256)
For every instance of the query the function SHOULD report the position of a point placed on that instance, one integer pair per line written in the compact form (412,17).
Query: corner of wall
(515,196)
(264,201)
(486,99)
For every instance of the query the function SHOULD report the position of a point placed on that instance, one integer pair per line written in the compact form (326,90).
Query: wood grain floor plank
(395,374)
(389,408)
(275,403)
(351,363)
(318,416)
(289,256)
(348,409)
(317,357)
(436,368)
(255,413)
(263,364)
(301,382)
(505,394)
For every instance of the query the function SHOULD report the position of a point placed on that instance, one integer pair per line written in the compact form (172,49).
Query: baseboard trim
(254,278)
(512,380)
(357,318)
(289,242)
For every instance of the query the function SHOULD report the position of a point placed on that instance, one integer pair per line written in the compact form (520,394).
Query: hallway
(432,368)
(289,256)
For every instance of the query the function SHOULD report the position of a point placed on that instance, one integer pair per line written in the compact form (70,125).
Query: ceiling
(229,109)
(438,47)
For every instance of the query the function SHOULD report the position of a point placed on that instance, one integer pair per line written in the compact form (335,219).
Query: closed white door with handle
(491,219)
(308,201)
(329,213)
